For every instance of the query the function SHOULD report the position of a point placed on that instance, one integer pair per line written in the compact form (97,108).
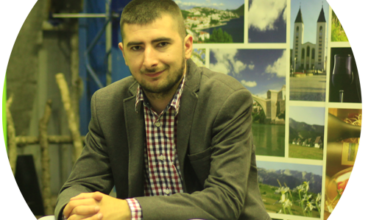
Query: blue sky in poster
(217,4)
(267,21)
(309,115)
(315,169)
(310,12)
(258,70)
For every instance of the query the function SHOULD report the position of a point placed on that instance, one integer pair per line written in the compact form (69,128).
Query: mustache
(153,70)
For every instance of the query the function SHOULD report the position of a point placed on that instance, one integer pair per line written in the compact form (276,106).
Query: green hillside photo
(337,31)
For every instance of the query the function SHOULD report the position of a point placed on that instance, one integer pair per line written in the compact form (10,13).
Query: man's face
(155,53)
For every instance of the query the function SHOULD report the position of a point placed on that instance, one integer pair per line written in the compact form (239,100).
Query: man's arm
(92,170)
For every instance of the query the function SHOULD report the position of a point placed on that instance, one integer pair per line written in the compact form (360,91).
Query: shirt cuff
(135,209)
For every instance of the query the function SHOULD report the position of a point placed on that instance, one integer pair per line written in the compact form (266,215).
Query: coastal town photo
(211,21)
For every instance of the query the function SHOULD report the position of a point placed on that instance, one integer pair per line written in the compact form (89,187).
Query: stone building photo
(308,51)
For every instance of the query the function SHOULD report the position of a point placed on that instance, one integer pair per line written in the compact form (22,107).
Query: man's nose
(150,58)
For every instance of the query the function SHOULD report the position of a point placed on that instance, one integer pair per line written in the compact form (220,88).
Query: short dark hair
(147,11)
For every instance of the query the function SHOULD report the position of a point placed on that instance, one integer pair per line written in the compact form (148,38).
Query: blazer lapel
(136,141)
(188,104)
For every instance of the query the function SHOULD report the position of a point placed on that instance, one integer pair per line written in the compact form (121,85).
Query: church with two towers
(308,56)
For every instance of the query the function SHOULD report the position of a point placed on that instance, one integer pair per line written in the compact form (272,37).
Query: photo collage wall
(295,58)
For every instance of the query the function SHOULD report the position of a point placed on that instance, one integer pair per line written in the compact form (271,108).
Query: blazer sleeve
(92,171)
(225,189)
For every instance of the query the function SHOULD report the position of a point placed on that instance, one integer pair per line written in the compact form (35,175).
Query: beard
(168,84)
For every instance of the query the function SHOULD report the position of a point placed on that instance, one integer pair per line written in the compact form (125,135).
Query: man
(174,139)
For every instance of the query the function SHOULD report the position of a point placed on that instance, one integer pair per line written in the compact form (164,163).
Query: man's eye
(135,48)
(162,44)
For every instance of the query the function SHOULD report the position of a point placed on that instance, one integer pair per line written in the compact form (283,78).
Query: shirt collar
(175,102)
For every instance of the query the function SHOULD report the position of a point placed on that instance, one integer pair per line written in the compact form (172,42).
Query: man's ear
(188,46)
(121,47)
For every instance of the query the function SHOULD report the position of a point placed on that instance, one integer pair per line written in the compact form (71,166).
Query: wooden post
(75,91)
(12,146)
(73,126)
(45,160)
(52,139)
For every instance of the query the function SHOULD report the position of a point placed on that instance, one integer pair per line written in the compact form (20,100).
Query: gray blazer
(214,146)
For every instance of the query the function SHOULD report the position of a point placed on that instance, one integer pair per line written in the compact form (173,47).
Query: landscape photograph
(267,21)
(337,31)
(262,72)
(308,50)
(306,132)
(214,21)
(290,188)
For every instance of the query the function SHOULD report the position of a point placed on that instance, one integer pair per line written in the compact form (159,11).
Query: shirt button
(167,191)
(157,124)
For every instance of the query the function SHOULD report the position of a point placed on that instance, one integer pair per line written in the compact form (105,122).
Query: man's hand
(84,206)
(96,206)
(113,208)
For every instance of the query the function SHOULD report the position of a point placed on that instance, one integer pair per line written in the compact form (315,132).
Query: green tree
(206,11)
(214,22)
(227,37)
(220,36)
(255,118)
(337,31)
(262,116)
(281,115)
(185,14)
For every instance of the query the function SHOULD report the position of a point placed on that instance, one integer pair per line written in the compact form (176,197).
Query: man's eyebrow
(134,43)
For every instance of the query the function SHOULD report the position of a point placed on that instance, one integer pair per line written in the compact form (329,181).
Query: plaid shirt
(162,176)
